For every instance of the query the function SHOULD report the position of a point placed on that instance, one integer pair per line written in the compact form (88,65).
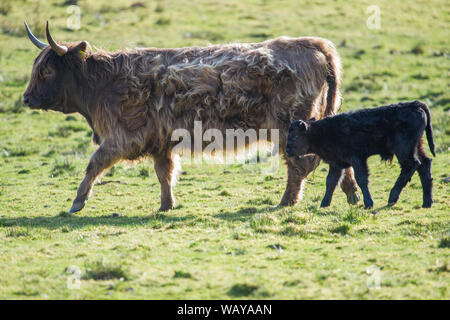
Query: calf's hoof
(368,204)
(390,204)
(427,204)
(325,204)
(393,198)
(353,198)
(77,206)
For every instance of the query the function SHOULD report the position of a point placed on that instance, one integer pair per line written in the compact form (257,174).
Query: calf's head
(297,142)
(56,75)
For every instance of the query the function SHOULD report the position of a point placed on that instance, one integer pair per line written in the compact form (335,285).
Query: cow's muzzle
(29,101)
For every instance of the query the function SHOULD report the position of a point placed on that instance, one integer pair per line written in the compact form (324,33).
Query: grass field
(225,239)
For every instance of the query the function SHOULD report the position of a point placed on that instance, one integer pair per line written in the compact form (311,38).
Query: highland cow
(348,139)
(134,99)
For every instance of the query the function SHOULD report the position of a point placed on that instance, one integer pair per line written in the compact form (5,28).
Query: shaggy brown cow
(134,99)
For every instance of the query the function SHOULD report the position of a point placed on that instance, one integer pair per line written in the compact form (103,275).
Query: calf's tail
(428,129)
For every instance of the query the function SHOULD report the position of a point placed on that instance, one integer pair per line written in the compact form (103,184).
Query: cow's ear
(82,49)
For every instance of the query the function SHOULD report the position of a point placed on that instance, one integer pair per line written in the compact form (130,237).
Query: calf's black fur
(348,139)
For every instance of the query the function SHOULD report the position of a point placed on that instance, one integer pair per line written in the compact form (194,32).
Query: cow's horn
(59,49)
(38,43)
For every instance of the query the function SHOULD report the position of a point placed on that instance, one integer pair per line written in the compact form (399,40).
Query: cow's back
(241,85)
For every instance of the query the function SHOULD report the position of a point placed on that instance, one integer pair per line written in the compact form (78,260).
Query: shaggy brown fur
(134,99)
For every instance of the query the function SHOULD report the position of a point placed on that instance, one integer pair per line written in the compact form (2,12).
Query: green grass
(225,239)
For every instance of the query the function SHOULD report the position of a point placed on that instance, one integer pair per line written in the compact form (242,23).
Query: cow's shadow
(154,220)
(78,221)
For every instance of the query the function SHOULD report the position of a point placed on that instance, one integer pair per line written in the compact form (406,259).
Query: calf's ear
(301,125)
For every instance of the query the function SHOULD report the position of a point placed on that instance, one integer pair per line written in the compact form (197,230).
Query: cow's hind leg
(334,174)
(101,160)
(348,185)
(297,170)
(165,168)
(426,179)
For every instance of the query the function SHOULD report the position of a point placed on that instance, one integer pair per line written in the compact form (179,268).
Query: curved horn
(38,43)
(59,49)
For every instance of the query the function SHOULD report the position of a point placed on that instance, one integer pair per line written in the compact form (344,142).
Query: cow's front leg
(102,159)
(348,185)
(164,168)
(298,169)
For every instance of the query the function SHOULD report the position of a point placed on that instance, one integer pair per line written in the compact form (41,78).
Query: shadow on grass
(346,211)
(154,221)
(157,221)
(381,209)
(246,213)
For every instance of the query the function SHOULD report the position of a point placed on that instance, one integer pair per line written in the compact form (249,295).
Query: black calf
(348,139)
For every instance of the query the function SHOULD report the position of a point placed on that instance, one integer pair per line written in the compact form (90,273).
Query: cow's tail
(428,128)
(334,98)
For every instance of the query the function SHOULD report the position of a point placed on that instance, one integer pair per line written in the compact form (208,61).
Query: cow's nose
(26,100)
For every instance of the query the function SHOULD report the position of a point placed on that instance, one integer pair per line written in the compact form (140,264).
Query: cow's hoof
(77,206)
(166,207)
(353,198)
(287,203)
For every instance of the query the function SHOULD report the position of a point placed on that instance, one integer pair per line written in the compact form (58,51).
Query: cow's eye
(47,73)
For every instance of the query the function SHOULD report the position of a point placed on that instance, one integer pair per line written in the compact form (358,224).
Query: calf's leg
(334,174)
(102,159)
(407,144)
(426,179)
(408,169)
(164,167)
(298,169)
(362,178)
